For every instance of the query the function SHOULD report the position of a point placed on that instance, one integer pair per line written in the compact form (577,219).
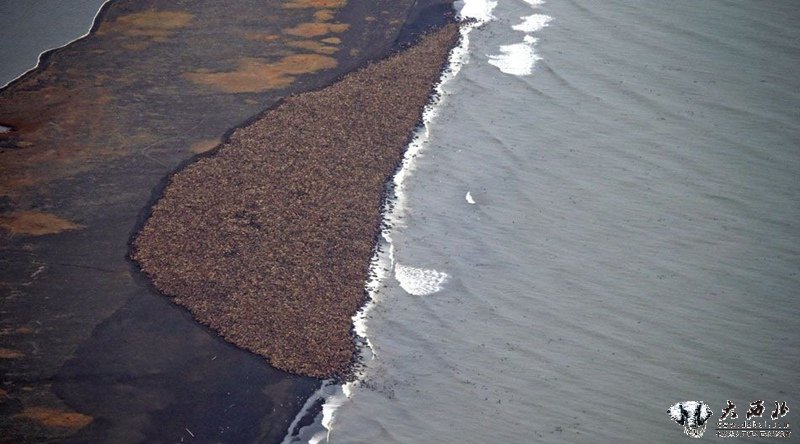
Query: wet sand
(89,351)
(269,239)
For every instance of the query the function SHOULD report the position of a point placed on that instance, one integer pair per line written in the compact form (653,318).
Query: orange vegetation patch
(332,40)
(35,223)
(261,36)
(24,330)
(7,353)
(316,29)
(56,418)
(256,75)
(324,15)
(311,45)
(202,146)
(299,4)
(157,25)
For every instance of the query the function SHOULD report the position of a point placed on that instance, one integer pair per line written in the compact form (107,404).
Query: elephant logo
(692,415)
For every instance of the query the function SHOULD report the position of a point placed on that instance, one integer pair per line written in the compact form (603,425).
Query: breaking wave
(518,59)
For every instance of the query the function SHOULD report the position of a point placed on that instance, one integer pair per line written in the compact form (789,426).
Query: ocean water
(28,28)
(600,220)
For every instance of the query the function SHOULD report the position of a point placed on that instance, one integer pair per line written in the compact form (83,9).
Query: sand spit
(268,240)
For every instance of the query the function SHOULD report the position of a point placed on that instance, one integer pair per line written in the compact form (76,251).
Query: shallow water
(633,240)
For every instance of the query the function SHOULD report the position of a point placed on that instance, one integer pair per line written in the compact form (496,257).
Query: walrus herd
(268,238)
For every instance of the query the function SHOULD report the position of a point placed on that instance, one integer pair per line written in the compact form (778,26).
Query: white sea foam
(313,399)
(517,59)
(419,281)
(332,403)
(535,3)
(469,198)
(39,58)
(532,23)
(480,10)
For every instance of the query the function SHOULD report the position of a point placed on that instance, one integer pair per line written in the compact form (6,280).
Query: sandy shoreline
(90,351)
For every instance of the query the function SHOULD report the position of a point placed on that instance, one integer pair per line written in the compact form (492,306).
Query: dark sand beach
(89,350)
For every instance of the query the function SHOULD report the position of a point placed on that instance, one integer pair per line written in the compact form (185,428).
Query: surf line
(47,51)
(472,14)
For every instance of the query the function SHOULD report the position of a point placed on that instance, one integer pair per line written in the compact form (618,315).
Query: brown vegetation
(324,15)
(315,29)
(56,418)
(311,45)
(256,75)
(157,25)
(261,36)
(35,223)
(7,353)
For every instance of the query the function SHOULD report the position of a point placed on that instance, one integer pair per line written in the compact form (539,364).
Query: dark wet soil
(89,351)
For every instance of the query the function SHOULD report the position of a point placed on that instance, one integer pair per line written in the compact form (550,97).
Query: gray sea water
(634,240)
(28,28)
